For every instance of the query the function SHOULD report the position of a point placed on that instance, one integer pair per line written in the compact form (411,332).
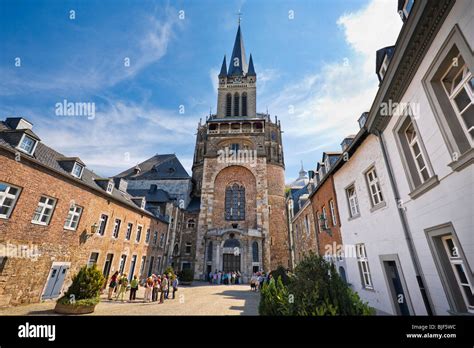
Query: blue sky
(316,71)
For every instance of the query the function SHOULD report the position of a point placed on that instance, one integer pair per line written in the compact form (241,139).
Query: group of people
(156,287)
(258,279)
(227,278)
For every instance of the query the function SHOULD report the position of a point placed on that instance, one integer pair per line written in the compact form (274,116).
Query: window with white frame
(191,223)
(44,210)
(116,231)
(458,83)
(73,216)
(27,144)
(139,233)
(352,201)
(110,187)
(147,236)
(333,212)
(417,152)
(102,224)
(162,240)
(459,269)
(375,192)
(77,170)
(93,259)
(155,237)
(8,196)
(363,263)
(384,67)
(325,219)
(128,234)
(187,249)
(306,224)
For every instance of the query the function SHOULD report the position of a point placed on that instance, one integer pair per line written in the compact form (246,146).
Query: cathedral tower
(238,173)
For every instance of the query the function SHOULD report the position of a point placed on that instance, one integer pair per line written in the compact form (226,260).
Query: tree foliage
(86,284)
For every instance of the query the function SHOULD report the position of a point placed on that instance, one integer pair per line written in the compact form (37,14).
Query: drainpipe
(406,229)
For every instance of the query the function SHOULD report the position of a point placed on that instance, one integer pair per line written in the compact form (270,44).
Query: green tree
(85,287)
(274,299)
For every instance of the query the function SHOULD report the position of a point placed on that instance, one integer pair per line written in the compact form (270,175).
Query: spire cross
(240,16)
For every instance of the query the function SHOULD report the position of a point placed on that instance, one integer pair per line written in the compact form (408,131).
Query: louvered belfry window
(235,203)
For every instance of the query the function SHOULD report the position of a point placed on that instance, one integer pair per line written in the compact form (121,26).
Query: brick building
(57,216)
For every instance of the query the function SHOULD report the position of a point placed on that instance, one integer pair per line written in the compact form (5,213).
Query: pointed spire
(251,71)
(223,72)
(238,63)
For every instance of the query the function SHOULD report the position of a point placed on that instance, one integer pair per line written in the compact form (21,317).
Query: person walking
(112,285)
(133,288)
(148,289)
(122,287)
(174,284)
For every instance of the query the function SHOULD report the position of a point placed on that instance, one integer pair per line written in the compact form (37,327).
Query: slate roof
(295,195)
(151,196)
(50,158)
(194,205)
(238,53)
(158,167)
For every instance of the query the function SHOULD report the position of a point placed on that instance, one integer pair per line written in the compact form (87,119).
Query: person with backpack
(112,285)
(123,284)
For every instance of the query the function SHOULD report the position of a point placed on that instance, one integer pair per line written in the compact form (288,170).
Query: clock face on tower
(237,79)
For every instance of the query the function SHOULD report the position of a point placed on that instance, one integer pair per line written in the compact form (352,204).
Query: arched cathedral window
(228,105)
(236,104)
(244,104)
(235,203)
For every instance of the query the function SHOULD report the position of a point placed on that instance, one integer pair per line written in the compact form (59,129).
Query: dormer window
(27,144)
(143,203)
(110,187)
(77,170)
(384,67)
(406,9)
(326,164)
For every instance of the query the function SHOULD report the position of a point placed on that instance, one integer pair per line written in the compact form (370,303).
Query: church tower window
(209,251)
(235,203)
(228,106)
(244,104)
(236,104)
(254,252)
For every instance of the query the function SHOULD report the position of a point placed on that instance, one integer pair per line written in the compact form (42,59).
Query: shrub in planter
(83,294)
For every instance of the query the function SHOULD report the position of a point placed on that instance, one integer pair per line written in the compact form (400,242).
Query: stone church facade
(238,175)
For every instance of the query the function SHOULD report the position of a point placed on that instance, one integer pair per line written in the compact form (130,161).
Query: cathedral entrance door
(231,263)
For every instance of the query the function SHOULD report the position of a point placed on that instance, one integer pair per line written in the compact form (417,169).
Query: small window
(352,201)
(72,220)
(236,104)
(139,233)
(110,187)
(155,237)
(77,170)
(416,153)
(244,104)
(116,231)
(102,224)
(188,248)
(364,266)
(8,197)
(325,219)
(44,211)
(374,187)
(384,67)
(191,223)
(228,107)
(128,234)
(209,251)
(255,256)
(27,144)
(306,224)
(147,236)
(93,259)
(333,212)
(162,240)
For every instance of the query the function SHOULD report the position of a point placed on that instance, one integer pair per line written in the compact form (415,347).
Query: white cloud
(326,104)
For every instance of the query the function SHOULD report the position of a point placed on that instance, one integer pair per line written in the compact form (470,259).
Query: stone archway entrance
(231,256)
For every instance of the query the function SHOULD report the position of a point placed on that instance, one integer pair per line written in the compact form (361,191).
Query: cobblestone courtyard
(198,299)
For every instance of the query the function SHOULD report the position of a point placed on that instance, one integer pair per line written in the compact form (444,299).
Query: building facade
(428,141)
(238,172)
(57,216)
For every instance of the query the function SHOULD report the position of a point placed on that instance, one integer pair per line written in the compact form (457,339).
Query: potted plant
(186,277)
(83,294)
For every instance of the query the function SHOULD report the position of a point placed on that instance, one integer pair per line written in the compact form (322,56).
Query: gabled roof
(158,167)
(49,158)
(223,72)
(238,55)
(151,196)
(251,71)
